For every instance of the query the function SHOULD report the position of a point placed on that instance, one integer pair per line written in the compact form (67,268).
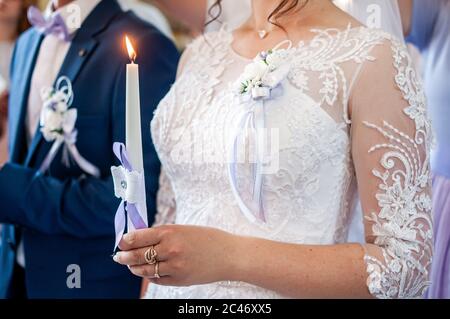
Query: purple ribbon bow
(125,208)
(53,25)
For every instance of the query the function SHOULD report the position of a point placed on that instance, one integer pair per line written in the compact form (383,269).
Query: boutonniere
(57,125)
(57,120)
(262,78)
(261,81)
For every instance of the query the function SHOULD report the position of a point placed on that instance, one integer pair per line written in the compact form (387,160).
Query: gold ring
(157,276)
(150,256)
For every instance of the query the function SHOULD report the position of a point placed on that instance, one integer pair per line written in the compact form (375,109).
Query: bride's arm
(301,271)
(390,145)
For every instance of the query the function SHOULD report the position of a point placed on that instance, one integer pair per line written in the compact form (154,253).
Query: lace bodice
(326,156)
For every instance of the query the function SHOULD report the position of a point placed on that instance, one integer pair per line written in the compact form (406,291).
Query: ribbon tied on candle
(261,81)
(129,186)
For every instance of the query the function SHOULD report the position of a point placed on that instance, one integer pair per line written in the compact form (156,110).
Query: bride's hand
(186,255)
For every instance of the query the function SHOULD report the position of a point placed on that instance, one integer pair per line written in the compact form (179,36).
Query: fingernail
(116,258)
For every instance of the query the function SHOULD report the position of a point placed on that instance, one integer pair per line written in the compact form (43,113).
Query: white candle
(133,137)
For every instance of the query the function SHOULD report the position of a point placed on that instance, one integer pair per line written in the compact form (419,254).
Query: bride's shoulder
(383,44)
(379,34)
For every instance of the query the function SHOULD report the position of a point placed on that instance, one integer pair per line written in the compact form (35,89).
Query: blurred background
(13,21)
(182,35)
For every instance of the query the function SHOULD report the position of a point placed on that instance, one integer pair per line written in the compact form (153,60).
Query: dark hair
(284,7)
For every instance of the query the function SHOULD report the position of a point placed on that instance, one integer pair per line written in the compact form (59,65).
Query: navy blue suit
(65,217)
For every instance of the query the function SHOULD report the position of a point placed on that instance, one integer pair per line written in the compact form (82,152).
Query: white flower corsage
(261,81)
(262,78)
(57,125)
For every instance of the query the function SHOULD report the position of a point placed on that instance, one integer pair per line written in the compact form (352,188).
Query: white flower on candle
(128,185)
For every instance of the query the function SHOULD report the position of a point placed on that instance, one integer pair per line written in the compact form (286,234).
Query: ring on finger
(150,256)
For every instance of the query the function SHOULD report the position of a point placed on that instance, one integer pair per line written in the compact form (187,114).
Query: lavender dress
(430,33)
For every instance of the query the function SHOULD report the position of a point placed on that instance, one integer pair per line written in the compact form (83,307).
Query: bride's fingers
(131,257)
(148,271)
(136,257)
(140,238)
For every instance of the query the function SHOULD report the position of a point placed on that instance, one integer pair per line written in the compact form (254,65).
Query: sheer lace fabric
(327,156)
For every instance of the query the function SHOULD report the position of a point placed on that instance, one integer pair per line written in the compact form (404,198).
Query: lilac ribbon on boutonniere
(57,125)
(261,81)
(129,185)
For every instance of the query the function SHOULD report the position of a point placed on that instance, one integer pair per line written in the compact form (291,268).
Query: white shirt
(51,57)
(49,61)
(6,48)
(5,58)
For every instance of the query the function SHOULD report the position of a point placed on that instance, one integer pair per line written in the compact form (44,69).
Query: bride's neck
(262,9)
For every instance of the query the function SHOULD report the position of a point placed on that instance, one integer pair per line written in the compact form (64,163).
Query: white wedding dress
(327,156)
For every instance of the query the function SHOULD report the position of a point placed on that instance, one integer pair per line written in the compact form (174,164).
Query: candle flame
(131,51)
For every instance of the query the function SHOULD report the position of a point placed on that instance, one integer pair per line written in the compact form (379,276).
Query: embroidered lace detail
(403,227)
(323,62)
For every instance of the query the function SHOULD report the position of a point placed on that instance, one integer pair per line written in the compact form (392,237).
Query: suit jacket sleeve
(86,207)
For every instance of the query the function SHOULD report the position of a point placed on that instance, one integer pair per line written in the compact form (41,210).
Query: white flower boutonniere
(57,120)
(57,125)
(262,78)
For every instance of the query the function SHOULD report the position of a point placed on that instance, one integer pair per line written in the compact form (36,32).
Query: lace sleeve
(390,146)
(165,202)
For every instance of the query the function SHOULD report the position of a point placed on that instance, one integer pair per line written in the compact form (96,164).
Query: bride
(263,159)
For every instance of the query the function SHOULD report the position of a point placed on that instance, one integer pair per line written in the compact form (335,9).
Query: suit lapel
(72,65)
(81,49)
(17,115)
